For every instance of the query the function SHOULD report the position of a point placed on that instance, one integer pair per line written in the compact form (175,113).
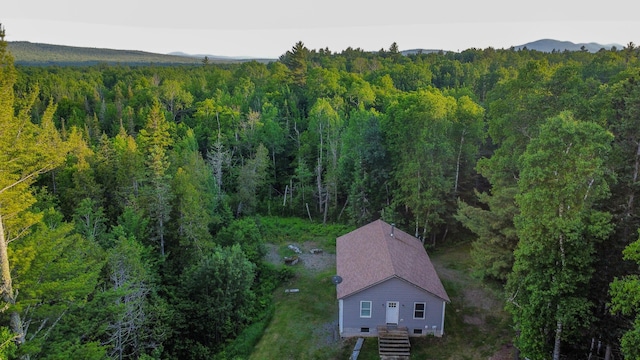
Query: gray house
(387,280)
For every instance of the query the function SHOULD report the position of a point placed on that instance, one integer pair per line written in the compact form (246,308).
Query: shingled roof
(370,255)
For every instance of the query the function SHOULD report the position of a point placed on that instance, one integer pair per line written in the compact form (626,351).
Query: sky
(268,28)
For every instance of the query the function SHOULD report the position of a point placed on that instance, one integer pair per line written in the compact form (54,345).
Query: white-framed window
(365,309)
(419,310)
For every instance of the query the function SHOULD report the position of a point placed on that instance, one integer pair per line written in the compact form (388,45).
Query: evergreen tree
(155,140)
(57,271)
(195,199)
(214,302)
(27,150)
(129,330)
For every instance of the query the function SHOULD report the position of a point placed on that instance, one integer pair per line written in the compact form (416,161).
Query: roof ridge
(387,244)
(396,255)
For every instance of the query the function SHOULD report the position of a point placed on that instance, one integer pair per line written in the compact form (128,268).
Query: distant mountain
(420,51)
(27,53)
(549,45)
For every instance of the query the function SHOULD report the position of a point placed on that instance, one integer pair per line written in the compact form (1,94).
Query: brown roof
(370,255)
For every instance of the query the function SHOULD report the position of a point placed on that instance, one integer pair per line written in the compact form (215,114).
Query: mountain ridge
(39,54)
(550,45)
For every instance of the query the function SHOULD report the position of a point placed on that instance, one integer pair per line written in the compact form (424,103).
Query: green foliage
(133,322)
(214,302)
(169,154)
(57,271)
(625,299)
(195,201)
(365,164)
(449,132)
(155,140)
(562,176)
(281,230)
(90,220)
(251,177)
(244,233)
(7,345)
(242,346)
(492,251)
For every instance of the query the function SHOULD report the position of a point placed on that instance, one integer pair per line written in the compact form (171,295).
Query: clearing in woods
(304,325)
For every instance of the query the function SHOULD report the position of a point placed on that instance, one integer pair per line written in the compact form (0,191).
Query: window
(418,310)
(417,331)
(365,309)
(364,330)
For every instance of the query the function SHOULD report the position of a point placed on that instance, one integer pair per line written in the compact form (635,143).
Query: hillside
(549,45)
(37,54)
(27,53)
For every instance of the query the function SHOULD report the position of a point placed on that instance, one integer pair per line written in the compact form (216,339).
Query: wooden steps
(393,343)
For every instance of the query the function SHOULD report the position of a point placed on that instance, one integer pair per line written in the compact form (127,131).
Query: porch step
(393,344)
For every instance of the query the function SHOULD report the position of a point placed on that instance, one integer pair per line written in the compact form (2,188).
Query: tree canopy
(131,197)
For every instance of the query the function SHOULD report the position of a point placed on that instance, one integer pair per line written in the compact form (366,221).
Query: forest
(135,201)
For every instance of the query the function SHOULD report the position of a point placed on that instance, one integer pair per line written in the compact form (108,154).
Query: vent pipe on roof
(393,226)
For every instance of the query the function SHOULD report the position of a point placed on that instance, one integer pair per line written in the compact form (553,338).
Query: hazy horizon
(268,29)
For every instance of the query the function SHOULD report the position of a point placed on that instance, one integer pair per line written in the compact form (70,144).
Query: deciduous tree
(562,176)
(625,299)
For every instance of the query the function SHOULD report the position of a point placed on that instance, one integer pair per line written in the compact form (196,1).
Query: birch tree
(251,178)
(326,125)
(562,177)
(419,130)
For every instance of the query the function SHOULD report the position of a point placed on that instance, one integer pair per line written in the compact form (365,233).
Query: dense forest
(135,200)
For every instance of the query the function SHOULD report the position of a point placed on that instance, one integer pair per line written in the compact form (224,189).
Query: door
(393,312)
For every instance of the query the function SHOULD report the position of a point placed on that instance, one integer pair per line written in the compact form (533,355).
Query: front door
(393,312)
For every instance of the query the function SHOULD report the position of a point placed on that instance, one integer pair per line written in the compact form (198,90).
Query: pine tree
(156,140)
(27,150)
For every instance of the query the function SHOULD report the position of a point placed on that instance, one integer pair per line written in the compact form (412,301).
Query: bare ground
(313,262)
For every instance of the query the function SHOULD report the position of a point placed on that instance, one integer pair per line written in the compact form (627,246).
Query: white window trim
(424,310)
(370,309)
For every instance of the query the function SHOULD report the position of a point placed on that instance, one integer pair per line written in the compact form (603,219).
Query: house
(387,280)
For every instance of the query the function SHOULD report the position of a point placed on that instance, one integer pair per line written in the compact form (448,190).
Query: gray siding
(393,289)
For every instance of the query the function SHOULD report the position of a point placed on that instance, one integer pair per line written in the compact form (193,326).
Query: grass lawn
(305,323)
